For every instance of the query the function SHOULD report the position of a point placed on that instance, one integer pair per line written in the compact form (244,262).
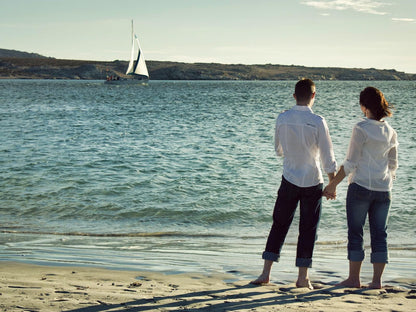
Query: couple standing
(303,139)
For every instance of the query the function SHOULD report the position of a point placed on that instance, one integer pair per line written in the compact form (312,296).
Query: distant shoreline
(50,68)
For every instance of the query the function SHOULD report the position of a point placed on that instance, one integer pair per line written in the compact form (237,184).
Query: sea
(179,176)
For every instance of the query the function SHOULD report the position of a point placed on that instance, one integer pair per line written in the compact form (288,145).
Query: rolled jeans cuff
(356,255)
(379,257)
(304,262)
(267,255)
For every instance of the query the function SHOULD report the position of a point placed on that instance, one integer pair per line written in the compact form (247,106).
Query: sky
(321,33)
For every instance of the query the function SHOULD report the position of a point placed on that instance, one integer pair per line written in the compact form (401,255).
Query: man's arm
(277,146)
(326,150)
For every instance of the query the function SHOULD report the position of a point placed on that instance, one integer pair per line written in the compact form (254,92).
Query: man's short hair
(304,89)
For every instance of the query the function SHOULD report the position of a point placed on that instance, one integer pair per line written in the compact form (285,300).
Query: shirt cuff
(331,169)
(348,167)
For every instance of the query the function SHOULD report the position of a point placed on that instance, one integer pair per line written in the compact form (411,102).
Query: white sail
(141,68)
(137,65)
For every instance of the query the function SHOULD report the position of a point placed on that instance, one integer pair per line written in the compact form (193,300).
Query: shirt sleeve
(354,151)
(277,146)
(393,156)
(326,150)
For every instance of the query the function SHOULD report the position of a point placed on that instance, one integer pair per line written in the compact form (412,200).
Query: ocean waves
(126,235)
(187,165)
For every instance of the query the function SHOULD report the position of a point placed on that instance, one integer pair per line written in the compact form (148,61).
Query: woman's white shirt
(371,158)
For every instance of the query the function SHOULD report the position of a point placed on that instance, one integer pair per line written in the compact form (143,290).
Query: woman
(371,163)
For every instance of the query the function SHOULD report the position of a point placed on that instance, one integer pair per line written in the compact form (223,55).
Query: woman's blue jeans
(360,202)
(288,197)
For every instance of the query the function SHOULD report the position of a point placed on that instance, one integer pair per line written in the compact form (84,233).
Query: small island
(23,65)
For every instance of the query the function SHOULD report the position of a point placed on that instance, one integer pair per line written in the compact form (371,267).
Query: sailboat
(137,70)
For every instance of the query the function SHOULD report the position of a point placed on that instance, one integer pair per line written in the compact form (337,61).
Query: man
(303,139)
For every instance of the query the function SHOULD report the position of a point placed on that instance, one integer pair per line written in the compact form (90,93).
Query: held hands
(330,191)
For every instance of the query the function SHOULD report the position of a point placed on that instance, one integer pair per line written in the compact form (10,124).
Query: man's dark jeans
(288,196)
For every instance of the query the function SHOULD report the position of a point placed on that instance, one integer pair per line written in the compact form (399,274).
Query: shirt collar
(302,108)
(374,122)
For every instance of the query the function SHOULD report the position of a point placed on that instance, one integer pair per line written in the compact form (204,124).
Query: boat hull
(127,82)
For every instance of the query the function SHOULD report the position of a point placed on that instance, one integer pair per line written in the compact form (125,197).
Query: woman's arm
(354,152)
(353,155)
(330,190)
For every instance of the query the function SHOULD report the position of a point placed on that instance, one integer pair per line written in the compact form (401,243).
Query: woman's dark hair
(374,100)
(304,89)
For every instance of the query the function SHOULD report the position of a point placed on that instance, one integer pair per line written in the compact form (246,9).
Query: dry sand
(26,287)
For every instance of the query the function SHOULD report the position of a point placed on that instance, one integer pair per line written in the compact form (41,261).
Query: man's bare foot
(304,284)
(350,283)
(262,279)
(375,285)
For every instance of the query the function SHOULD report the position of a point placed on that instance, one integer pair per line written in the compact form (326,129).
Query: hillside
(24,65)
(19,54)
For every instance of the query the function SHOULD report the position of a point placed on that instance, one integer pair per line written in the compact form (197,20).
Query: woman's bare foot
(262,279)
(304,284)
(352,283)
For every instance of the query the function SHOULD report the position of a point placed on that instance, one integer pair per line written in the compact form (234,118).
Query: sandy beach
(27,287)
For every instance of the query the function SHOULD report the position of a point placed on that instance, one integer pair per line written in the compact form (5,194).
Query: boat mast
(130,68)
(132,32)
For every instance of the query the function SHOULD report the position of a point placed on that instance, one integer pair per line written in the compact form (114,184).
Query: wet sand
(27,287)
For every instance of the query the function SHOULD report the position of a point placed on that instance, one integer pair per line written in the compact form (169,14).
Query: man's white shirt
(303,139)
